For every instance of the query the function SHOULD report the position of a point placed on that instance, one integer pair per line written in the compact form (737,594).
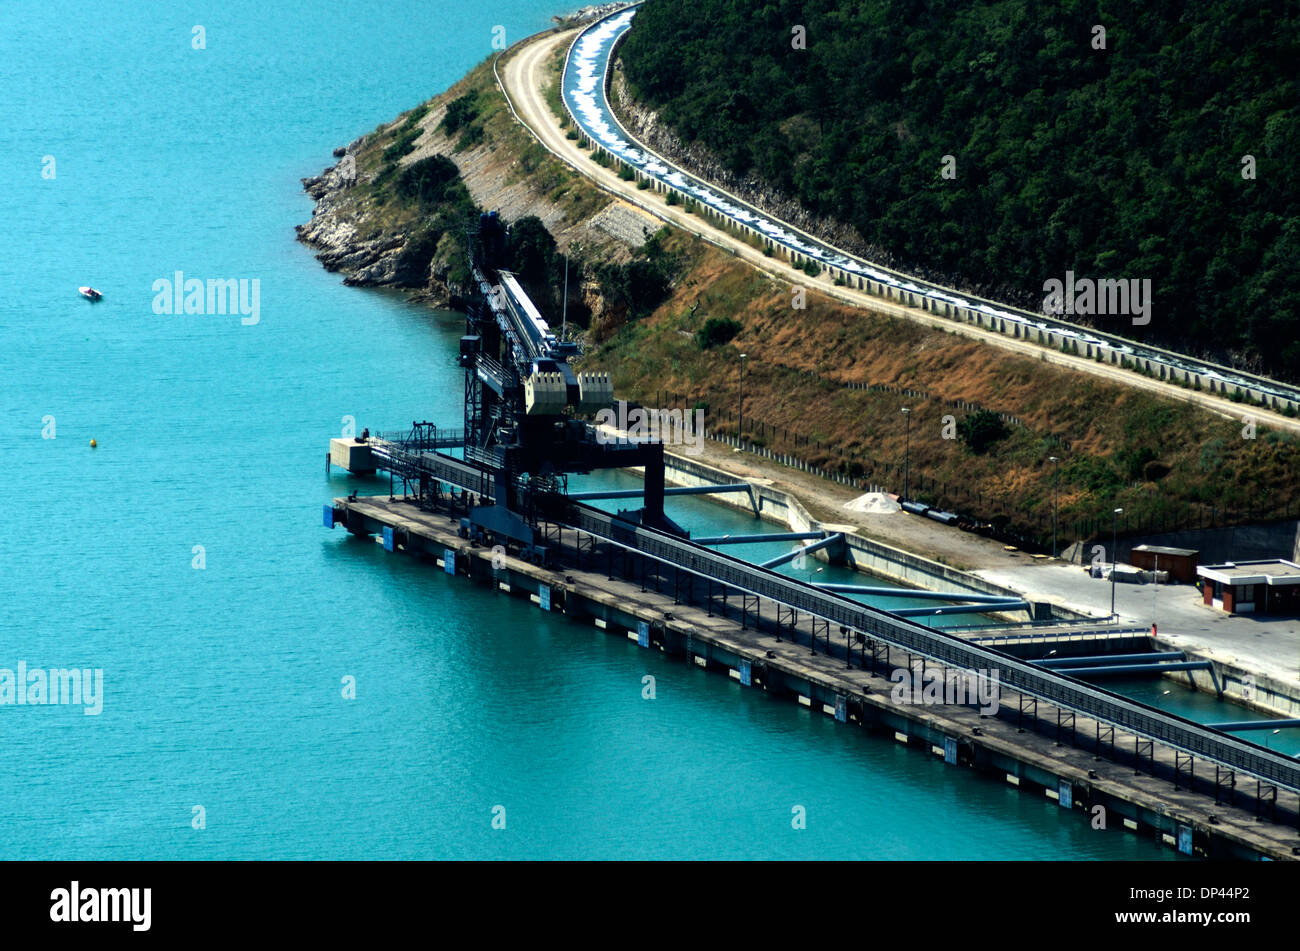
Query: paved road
(1269,646)
(524,73)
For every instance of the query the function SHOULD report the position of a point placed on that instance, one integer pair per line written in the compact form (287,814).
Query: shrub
(981,429)
(1133,462)
(531,250)
(460,113)
(415,115)
(472,135)
(427,179)
(413,261)
(403,145)
(717,331)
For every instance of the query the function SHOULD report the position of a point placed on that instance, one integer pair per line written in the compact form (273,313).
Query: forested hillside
(1122,162)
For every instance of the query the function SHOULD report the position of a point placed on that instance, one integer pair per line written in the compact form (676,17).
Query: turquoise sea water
(702,517)
(223,686)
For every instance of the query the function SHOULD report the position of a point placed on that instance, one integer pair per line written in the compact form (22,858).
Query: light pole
(1155,589)
(1114,558)
(740,429)
(564,309)
(1056,485)
(907,453)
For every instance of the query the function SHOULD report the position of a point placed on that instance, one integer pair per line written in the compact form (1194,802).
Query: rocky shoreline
(375,240)
(377,258)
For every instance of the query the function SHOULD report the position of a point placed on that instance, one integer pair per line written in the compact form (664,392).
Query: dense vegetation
(633,290)
(717,331)
(981,429)
(1122,162)
(1161,461)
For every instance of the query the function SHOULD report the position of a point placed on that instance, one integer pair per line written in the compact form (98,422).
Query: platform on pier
(353,455)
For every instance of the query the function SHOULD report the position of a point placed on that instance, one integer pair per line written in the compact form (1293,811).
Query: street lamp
(740,429)
(1114,558)
(907,453)
(1056,486)
(1155,589)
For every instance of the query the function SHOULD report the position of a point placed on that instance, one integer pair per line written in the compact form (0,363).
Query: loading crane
(519,391)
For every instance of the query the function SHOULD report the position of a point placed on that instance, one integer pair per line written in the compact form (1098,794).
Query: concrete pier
(814,666)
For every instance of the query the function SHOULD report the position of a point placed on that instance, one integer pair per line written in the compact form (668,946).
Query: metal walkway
(1178,733)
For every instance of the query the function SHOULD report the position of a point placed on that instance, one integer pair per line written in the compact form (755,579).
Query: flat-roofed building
(1252,587)
(1179,562)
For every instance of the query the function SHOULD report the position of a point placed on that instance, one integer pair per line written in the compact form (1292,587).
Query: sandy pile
(877,503)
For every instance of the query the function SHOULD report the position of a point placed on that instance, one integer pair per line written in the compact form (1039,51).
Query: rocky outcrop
(335,231)
(372,246)
(587,14)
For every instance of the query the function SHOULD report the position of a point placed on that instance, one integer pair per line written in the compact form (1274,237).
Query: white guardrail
(584,91)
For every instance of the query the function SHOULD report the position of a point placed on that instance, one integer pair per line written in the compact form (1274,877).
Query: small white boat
(89,293)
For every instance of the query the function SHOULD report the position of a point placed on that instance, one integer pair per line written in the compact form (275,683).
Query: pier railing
(1169,730)
(1067,694)
(423,437)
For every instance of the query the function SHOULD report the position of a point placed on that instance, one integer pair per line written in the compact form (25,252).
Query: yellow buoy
(93,444)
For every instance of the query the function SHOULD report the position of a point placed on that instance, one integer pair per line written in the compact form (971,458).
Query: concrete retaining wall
(864,554)
(1238,542)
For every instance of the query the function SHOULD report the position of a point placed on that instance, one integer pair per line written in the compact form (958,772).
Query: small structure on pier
(352,454)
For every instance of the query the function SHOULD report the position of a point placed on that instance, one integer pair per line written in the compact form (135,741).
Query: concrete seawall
(864,554)
(1240,685)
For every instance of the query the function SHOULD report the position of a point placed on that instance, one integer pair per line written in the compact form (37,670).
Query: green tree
(981,429)
(1123,163)
(717,331)
(460,113)
(426,181)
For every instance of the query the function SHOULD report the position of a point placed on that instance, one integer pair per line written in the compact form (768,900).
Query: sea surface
(184,557)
